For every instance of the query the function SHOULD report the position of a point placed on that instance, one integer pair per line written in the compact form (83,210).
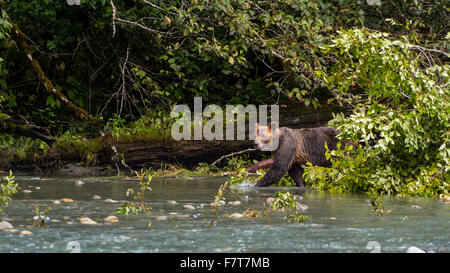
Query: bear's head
(267,137)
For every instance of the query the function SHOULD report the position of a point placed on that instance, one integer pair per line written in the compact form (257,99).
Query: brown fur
(296,147)
(265,164)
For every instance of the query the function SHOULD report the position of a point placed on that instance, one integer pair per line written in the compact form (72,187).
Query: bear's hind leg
(297,176)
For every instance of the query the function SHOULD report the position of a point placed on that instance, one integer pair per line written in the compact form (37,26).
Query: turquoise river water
(339,222)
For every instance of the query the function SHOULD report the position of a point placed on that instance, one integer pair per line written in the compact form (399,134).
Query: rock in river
(111,219)
(414,249)
(236,215)
(189,207)
(5,225)
(87,221)
(67,200)
(78,183)
(235,203)
(446,199)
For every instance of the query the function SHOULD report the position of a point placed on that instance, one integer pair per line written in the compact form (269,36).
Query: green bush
(400,121)
(6,191)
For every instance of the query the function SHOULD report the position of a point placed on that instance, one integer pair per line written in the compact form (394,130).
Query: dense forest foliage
(69,72)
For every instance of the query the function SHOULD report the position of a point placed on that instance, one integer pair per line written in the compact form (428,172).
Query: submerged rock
(414,249)
(415,207)
(172,202)
(162,217)
(87,221)
(196,216)
(56,202)
(316,225)
(236,215)
(111,219)
(235,203)
(27,191)
(96,197)
(78,183)
(5,225)
(26,232)
(67,200)
(189,207)
(10,230)
(110,201)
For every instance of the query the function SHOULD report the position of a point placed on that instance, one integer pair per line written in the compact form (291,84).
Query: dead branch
(114,11)
(233,154)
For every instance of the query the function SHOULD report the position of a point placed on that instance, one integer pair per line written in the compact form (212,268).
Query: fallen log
(19,125)
(186,153)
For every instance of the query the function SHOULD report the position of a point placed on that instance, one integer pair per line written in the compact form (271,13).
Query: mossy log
(186,153)
(19,125)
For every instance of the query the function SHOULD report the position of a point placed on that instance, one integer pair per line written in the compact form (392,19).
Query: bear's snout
(256,145)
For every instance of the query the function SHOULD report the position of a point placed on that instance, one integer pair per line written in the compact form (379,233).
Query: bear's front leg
(297,176)
(273,175)
(265,164)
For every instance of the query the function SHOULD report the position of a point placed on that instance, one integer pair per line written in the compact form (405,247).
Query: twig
(114,10)
(232,154)
(430,50)
(159,8)
(140,26)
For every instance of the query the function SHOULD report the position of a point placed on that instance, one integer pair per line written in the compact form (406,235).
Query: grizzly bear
(295,148)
